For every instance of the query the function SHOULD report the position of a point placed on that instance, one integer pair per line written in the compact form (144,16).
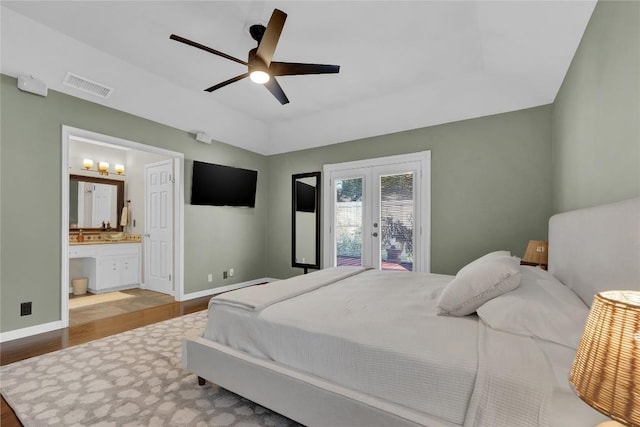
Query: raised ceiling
(404,65)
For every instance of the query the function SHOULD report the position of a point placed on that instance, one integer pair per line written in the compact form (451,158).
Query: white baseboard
(31,330)
(52,326)
(221,289)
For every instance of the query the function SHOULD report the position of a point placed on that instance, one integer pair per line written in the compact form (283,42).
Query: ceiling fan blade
(205,48)
(269,41)
(294,68)
(227,82)
(275,89)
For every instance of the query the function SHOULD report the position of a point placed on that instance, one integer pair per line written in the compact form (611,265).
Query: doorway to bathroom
(116,255)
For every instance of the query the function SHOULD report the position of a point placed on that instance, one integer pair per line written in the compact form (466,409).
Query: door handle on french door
(375,234)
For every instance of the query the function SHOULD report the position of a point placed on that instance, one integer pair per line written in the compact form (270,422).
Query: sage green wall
(596,115)
(490,185)
(495,180)
(216,238)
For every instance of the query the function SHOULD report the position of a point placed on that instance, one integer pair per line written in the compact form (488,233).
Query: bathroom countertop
(101,242)
(97,239)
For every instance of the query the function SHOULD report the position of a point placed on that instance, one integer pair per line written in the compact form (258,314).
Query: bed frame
(597,249)
(590,250)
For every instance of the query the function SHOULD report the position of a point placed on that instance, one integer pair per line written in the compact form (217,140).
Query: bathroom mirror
(305,220)
(93,200)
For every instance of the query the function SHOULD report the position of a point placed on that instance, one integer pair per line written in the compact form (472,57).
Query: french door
(376,213)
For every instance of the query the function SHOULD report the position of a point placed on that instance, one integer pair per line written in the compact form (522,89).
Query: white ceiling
(404,65)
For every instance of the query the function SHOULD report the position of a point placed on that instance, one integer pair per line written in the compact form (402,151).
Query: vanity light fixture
(103,168)
(119,169)
(87,164)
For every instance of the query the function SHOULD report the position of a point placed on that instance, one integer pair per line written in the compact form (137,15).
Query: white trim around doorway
(423,263)
(178,164)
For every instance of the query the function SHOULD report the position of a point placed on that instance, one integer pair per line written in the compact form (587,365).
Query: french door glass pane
(348,217)
(397,211)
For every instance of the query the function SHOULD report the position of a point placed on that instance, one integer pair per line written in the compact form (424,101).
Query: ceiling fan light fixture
(260,67)
(259,76)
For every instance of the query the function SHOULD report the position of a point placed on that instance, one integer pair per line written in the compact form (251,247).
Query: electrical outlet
(25,308)
(210,277)
(231,272)
(224,274)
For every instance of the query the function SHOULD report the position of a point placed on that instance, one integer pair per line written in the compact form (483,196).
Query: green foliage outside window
(350,244)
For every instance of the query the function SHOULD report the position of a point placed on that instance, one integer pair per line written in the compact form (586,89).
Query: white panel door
(101,204)
(158,244)
(82,214)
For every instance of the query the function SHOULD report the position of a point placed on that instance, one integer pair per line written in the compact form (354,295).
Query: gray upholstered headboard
(596,249)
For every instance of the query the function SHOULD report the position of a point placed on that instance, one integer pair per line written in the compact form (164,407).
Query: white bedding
(312,400)
(383,337)
(260,297)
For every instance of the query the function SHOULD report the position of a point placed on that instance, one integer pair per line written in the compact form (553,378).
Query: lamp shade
(606,370)
(87,164)
(537,252)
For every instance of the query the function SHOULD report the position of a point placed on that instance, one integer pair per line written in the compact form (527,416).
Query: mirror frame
(119,201)
(316,264)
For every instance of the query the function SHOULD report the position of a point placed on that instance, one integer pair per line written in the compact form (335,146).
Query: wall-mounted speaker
(203,137)
(31,85)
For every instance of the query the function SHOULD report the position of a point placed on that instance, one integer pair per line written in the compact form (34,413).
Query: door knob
(375,234)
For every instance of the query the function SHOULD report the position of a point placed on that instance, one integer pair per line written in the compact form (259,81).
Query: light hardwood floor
(13,351)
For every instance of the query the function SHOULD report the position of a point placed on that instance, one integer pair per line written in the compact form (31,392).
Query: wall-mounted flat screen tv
(305,197)
(218,185)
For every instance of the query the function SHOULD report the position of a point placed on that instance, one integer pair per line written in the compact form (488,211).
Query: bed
(491,346)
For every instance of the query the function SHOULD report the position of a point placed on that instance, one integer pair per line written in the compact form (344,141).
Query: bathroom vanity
(108,265)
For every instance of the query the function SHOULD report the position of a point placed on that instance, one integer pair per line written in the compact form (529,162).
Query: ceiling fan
(261,69)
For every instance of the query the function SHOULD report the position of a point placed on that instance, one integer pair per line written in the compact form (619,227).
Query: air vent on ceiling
(87,85)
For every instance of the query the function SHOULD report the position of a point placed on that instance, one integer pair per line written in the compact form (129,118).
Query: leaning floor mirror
(305,221)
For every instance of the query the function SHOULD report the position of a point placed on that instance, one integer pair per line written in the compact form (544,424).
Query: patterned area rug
(131,379)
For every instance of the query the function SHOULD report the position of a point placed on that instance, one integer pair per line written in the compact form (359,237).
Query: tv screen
(218,185)
(305,197)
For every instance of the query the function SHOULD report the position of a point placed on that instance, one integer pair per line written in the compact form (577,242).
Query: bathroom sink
(113,236)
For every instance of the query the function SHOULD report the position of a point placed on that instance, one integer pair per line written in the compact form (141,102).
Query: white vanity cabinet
(109,272)
(109,266)
(130,269)
(116,271)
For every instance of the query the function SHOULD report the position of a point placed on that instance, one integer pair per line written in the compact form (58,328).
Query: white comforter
(260,297)
(377,332)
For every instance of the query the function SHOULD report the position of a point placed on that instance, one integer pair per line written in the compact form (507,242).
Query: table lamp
(606,370)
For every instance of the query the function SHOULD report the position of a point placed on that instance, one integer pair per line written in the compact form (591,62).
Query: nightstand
(534,264)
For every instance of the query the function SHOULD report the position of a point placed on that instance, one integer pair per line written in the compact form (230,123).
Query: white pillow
(477,283)
(541,307)
(488,257)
